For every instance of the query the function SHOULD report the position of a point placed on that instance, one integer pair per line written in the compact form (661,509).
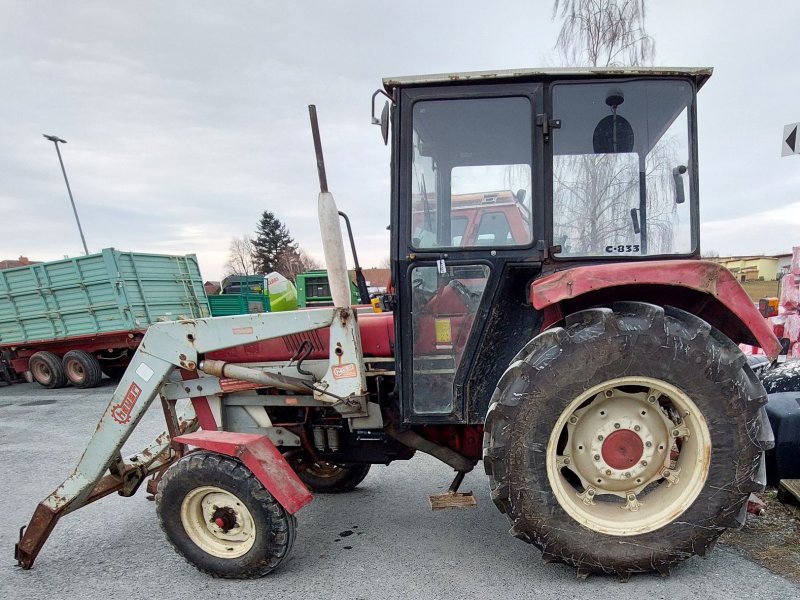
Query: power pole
(56,140)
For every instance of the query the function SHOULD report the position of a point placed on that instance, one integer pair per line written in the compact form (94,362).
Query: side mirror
(520,195)
(384,119)
(677,177)
(385,123)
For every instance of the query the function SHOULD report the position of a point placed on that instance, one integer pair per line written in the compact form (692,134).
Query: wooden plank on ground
(789,491)
(453,500)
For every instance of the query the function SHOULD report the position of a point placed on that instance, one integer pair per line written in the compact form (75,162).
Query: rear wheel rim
(75,371)
(218,522)
(41,372)
(324,469)
(628,456)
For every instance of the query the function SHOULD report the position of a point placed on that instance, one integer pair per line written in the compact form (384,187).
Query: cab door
(467,205)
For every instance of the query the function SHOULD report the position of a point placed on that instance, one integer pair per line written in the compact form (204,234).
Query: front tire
(627,440)
(221,519)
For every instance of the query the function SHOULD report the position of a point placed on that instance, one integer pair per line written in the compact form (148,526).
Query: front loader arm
(165,348)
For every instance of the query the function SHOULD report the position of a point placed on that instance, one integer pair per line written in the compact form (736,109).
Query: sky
(186,120)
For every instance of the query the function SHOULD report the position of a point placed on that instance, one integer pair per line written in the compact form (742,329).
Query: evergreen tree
(272,241)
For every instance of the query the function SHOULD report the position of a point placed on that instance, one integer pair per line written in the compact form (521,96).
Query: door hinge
(547,124)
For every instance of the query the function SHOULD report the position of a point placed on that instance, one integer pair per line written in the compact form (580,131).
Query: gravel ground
(398,547)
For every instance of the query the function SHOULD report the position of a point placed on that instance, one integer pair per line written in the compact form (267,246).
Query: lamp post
(55,139)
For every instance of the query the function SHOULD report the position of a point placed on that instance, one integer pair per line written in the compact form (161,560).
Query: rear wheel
(322,477)
(82,369)
(46,370)
(642,455)
(220,518)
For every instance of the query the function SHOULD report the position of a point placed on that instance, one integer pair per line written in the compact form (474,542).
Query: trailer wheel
(221,519)
(82,369)
(46,370)
(626,441)
(322,477)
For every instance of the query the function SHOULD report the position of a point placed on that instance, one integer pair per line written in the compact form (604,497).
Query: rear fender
(703,288)
(259,455)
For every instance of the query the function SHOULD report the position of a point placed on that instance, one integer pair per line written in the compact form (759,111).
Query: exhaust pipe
(329,227)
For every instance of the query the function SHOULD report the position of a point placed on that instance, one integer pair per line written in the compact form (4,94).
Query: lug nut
(651,399)
(597,457)
(616,425)
(609,393)
(573,419)
(608,471)
(627,474)
(600,438)
(675,433)
(590,492)
(644,463)
(636,428)
(649,444)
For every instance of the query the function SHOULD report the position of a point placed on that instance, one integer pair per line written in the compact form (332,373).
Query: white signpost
(790,144)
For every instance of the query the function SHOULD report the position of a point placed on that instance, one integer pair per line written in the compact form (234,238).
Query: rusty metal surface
(699,74)
(703,276)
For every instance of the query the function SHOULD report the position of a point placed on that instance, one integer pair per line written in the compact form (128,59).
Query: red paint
(466,440)
(93,344)
(702,276)
(259,455)
(121,412)
(219,522)
(377,340)
(622,449)
(201,406)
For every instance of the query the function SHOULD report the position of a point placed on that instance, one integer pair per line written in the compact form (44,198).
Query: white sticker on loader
(144,372)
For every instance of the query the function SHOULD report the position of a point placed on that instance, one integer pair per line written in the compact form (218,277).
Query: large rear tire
(221,519)
(82,369)
(626,441)
(46,370)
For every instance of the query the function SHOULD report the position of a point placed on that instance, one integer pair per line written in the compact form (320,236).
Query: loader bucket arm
(166,347)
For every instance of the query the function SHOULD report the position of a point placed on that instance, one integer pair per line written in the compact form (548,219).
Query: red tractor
(566,335)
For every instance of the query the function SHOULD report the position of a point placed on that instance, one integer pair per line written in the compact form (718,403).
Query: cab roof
(699,74)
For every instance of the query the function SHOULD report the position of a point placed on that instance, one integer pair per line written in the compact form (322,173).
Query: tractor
(549,316)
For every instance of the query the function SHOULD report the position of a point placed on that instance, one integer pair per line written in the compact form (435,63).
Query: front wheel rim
(218,522)
(628,456)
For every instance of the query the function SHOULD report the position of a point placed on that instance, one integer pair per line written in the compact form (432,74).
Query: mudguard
(259,455)
(734,314)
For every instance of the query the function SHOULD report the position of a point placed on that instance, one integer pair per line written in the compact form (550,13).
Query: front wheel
(627,440)
(220,518)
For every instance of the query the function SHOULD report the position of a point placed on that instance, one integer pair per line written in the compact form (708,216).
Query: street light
(55,139)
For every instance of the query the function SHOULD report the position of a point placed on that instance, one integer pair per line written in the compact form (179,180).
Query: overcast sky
(185,120)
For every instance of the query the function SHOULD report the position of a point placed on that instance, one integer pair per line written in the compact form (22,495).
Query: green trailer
(71,320)
(313,289)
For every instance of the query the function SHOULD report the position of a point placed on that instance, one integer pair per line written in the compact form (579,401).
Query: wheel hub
(622,449)
(638,439)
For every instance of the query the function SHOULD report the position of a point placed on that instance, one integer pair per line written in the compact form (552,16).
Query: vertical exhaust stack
(330,230)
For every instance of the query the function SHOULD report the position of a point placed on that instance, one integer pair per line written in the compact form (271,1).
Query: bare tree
(240,257)
(593,193)
(603,33)
(293,261)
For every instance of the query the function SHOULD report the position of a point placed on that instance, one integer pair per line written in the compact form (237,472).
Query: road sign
(790,144)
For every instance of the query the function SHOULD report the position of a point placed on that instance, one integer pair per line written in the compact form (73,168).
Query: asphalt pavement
(396,546)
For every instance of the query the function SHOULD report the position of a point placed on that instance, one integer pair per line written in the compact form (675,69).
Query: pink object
(790,293)
(795,266)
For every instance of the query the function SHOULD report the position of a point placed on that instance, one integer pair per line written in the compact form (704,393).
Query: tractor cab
(500,177)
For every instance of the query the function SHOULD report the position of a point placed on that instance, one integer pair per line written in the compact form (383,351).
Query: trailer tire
(322,477)
(114,371)
(636,357)
(45,367)
(204,489)
(82,369)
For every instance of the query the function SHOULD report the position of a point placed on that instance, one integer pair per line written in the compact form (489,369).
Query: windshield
(622,168)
